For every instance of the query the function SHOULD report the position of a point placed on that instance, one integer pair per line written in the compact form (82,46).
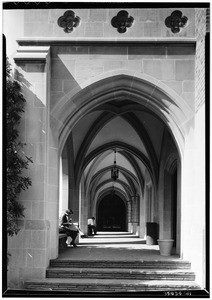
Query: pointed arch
(145,90)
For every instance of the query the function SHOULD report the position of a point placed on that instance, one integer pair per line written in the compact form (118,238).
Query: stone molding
(29,41)
(32,53)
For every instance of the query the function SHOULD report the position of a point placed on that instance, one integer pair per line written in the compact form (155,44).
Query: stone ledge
(32,53)
(102,41)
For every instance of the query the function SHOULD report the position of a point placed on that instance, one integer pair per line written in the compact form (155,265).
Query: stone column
(167,216)
(129,216)
(83,204)
(135,212)
(142,223)
(65,184)
(30,250)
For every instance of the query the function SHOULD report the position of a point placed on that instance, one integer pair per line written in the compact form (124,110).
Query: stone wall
(200,57)
(29,249)
(194,211)
(73,67)
(96,23)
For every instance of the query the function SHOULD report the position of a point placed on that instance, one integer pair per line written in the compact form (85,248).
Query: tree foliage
(16,160)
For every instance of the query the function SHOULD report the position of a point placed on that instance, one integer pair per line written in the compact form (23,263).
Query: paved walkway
(114,246)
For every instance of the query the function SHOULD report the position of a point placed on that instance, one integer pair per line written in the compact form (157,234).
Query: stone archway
(152,94)
(111,213)
(143,96)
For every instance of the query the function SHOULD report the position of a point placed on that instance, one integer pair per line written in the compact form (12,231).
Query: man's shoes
(84,236)
(69,245)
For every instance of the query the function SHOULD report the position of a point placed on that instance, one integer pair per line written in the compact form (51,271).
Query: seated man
(70,228)
(91,226)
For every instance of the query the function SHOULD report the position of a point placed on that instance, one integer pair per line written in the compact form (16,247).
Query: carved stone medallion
(176,21)
(122,21)
(68,21)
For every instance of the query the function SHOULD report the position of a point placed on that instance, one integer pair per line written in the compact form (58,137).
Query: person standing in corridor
(91,226)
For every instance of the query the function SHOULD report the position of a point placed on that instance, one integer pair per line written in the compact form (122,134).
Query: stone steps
(108,285)
(116,276)
(132,274)
(141,264)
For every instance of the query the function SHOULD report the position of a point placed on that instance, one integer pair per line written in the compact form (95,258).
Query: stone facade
(66,79)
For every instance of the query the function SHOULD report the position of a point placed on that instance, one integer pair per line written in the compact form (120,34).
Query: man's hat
(69,211)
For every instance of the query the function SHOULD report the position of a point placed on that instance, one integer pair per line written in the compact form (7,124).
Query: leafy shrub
(16,160)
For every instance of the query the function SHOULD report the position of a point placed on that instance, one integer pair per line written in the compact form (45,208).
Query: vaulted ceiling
(134,132)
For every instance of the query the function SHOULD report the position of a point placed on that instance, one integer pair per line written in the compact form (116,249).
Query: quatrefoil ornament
(176,21)
(68,21)
(122,21)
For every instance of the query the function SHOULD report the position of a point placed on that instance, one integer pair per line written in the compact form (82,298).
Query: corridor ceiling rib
(94,177)
(93,130)
(130,178)
(138,179)
(133,121)
(93,165)
(123,170)
(144,136)
(127,188)
(113,145)
(136,167)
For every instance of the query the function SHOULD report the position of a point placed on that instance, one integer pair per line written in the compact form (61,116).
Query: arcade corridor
(120,163)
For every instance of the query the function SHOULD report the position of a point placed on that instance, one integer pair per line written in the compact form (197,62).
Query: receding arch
(129,190)
(121,145)
(153,94)
(136,125)
(130,179)
(125,172)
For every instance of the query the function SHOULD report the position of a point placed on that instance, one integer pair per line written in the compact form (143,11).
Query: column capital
(32,54)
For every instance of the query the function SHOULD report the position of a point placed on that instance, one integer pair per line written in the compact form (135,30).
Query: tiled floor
(113,246)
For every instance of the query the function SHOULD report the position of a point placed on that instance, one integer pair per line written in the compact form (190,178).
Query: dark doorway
(174,206)
(111,214)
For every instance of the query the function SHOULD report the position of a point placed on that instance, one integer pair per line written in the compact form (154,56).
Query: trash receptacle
(151,233)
